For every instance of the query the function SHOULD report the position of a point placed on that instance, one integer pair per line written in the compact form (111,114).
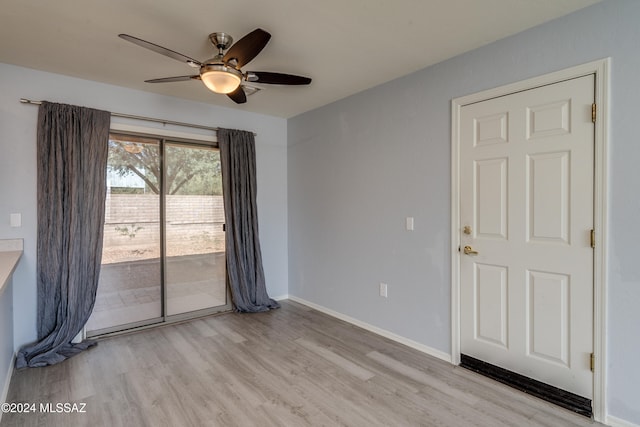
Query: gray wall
(359,166)
(18,167)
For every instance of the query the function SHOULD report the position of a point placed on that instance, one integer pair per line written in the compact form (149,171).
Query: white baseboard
(5,388)
(379,331)
(281,297)
(618,422)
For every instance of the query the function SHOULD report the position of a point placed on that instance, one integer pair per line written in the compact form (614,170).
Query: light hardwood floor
(289,367)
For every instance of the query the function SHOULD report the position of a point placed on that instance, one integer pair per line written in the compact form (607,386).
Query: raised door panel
(548,197)
(548,317)
(491,198)
(491,304)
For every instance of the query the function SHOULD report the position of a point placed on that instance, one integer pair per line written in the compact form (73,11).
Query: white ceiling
(346,46)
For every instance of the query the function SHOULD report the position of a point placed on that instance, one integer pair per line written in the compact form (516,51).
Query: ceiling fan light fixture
(219,78)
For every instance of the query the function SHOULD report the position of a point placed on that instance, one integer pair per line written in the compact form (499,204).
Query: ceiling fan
(223,73)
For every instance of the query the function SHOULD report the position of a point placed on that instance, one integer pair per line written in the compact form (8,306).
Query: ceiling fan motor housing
(222,41)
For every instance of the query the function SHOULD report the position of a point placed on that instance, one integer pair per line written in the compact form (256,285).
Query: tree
(189,170)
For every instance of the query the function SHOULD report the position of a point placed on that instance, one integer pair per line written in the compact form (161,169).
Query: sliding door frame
(164,137)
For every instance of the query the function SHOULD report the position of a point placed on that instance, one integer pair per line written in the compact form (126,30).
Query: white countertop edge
(8,262)
(11,245)
(10,253)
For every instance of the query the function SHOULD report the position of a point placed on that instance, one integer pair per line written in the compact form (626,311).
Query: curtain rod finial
(28,101)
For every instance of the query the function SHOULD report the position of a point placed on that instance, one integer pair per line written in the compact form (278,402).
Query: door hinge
(593,238)
(592,362)
(224,227)
(593,112)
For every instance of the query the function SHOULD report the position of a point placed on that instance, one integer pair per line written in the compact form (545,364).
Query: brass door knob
(468,250)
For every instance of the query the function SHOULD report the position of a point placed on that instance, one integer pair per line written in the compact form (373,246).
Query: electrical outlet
(383,290)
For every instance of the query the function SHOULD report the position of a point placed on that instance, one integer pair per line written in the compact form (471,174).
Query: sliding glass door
(194,236)
(163,251)
(130,286)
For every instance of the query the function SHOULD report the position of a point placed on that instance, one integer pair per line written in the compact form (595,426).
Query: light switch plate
(383,290)
(410,223)
(16,220)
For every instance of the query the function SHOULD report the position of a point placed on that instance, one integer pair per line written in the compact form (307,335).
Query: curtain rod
(146,119)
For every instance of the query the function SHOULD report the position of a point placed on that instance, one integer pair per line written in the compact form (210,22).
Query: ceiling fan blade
(238,96)
(247,48)
(277,78)
(161,50)
(174,79)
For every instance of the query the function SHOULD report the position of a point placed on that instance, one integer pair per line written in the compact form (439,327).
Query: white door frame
(600,69)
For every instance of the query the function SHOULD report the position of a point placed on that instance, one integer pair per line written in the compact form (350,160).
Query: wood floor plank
(289,367)
(423,378)
(348,366)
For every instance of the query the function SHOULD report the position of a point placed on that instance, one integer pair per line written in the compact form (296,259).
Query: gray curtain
(244,258)
(71,161)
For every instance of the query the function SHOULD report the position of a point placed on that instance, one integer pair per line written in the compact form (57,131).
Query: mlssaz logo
(63,408)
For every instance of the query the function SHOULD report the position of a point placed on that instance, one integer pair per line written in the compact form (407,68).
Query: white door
(526,208)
